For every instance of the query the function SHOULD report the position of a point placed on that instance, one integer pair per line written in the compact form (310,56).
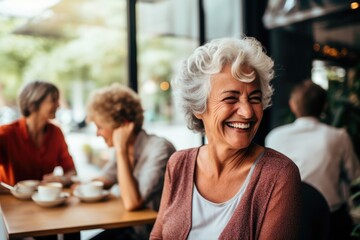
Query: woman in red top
(31,147)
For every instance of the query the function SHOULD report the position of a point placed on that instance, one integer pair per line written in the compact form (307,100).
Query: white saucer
(20,195)
(75,179)
(61,199)
(103,195)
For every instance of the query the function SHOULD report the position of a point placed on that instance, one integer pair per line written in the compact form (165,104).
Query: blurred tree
(345,106)
(88,58)
(16,52)
(79,51)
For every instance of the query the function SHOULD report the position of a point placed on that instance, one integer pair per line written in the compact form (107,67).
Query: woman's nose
(245,109)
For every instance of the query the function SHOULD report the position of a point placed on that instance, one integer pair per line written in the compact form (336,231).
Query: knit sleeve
(157,230)
(281,220)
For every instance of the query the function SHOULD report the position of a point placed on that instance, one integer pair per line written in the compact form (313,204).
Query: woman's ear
(293,107)
(33,108)
(198,116)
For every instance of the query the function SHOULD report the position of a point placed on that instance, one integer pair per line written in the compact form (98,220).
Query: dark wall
(253,12)
(293,55)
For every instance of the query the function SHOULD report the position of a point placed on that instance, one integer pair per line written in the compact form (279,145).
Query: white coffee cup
(49,191)
(91,189)
(26,186)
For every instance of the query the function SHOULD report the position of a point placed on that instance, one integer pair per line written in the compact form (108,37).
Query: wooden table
(26,218)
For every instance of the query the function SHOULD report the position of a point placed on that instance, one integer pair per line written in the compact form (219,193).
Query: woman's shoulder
(189,153)
(54,128)
(10,128)
(275,160)
(274,168)
(182,158)
(181,165)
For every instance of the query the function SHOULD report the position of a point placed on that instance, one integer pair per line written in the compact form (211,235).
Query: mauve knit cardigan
(269,208)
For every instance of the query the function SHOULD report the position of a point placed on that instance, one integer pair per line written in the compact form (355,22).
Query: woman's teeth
(239,125)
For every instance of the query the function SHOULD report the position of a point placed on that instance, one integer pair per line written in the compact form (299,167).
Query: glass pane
(66,45)
(160,50)
(79,45)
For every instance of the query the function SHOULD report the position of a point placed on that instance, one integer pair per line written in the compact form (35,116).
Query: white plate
(20,195)
(31,184)
(56,202)
(103,195)
(75,179)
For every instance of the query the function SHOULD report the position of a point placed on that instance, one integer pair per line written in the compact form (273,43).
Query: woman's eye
(231,99)
(255,100)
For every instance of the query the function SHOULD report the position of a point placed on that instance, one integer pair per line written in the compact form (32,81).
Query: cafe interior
(82,45)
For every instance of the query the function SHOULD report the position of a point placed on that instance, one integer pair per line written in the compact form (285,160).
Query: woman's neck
(219,160)
(36,127)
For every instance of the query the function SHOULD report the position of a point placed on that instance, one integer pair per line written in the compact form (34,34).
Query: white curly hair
(192,85)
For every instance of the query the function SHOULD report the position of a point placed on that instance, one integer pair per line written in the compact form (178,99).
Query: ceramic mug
(91,189)
(49,191)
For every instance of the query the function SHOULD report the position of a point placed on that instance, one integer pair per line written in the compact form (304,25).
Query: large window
(160,50)
(81,45)
(63,44)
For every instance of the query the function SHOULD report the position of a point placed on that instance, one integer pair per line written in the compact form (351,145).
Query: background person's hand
(122,135)
(53,178)
(64,179)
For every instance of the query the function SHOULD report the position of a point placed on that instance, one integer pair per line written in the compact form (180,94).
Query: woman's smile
(238,125)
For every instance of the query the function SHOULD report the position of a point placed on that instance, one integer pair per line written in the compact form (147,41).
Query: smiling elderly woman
(230,188)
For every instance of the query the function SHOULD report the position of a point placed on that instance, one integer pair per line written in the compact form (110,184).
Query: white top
(324,155)
(208,218)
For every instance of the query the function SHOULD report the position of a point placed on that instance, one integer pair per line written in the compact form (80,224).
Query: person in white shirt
(324,154)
